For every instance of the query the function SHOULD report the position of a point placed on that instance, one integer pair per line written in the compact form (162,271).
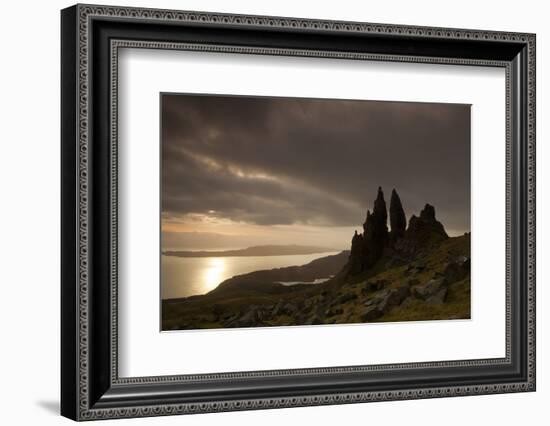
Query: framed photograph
(263,212)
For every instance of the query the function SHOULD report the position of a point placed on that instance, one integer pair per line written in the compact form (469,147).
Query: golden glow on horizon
(242,234)
(210,223)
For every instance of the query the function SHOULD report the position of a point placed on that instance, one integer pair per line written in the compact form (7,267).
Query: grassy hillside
(432,285)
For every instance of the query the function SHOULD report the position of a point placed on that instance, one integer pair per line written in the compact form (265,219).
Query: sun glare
(213,273)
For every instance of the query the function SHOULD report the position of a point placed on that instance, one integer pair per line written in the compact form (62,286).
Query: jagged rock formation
(426,224)
(375,234)
(369,247)
(356,254)
(423,232)
(398,222)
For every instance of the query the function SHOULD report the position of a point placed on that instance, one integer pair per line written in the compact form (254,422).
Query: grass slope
(338,301)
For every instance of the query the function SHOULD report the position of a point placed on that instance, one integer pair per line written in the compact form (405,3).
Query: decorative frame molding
(91,388)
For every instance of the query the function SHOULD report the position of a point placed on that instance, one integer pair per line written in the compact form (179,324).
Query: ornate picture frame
(91,37)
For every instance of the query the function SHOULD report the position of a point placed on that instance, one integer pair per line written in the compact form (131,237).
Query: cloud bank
(292,161)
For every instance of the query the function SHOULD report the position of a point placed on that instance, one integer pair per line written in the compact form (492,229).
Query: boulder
(278,309)
(387,299)
(371,313)
(371,302)
(415,268)
(290,309)
(403,291)
(393,298)
(346,297)
(438,298)
(284,308)
(429,289)
(249,319)
(457,270)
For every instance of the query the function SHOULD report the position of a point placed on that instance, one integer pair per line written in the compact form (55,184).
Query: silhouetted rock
(423,232)
(376,231)
(398,221)
(419,227)
(368,247)
(397,246)
(356,254)
(428,213)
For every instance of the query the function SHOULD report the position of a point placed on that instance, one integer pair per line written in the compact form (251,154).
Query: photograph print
(281,211)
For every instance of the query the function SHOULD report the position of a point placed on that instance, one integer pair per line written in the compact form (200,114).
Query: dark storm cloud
(287,160)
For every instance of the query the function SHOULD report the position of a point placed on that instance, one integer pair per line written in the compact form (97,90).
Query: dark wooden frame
(90,386)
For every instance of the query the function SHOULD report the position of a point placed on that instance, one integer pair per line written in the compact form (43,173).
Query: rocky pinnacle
(398,221)
(367,248)
(376,231)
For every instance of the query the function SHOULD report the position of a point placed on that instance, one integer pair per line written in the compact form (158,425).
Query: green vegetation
(432,284)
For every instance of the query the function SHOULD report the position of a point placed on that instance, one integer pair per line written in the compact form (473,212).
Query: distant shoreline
(267,250)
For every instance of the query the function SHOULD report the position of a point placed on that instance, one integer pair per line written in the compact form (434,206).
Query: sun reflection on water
(213,273)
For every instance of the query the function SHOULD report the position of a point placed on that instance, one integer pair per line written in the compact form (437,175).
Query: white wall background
(29,212)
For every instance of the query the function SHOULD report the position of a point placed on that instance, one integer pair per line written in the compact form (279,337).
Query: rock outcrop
(375,236)
(426,228)
(398,221)
(367,248)
(356,254)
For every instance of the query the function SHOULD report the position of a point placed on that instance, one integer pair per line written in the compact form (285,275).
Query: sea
(189,276)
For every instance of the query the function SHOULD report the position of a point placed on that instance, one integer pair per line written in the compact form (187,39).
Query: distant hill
(269,280)
(266,250)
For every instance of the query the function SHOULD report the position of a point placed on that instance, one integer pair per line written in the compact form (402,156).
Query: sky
(239,171)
